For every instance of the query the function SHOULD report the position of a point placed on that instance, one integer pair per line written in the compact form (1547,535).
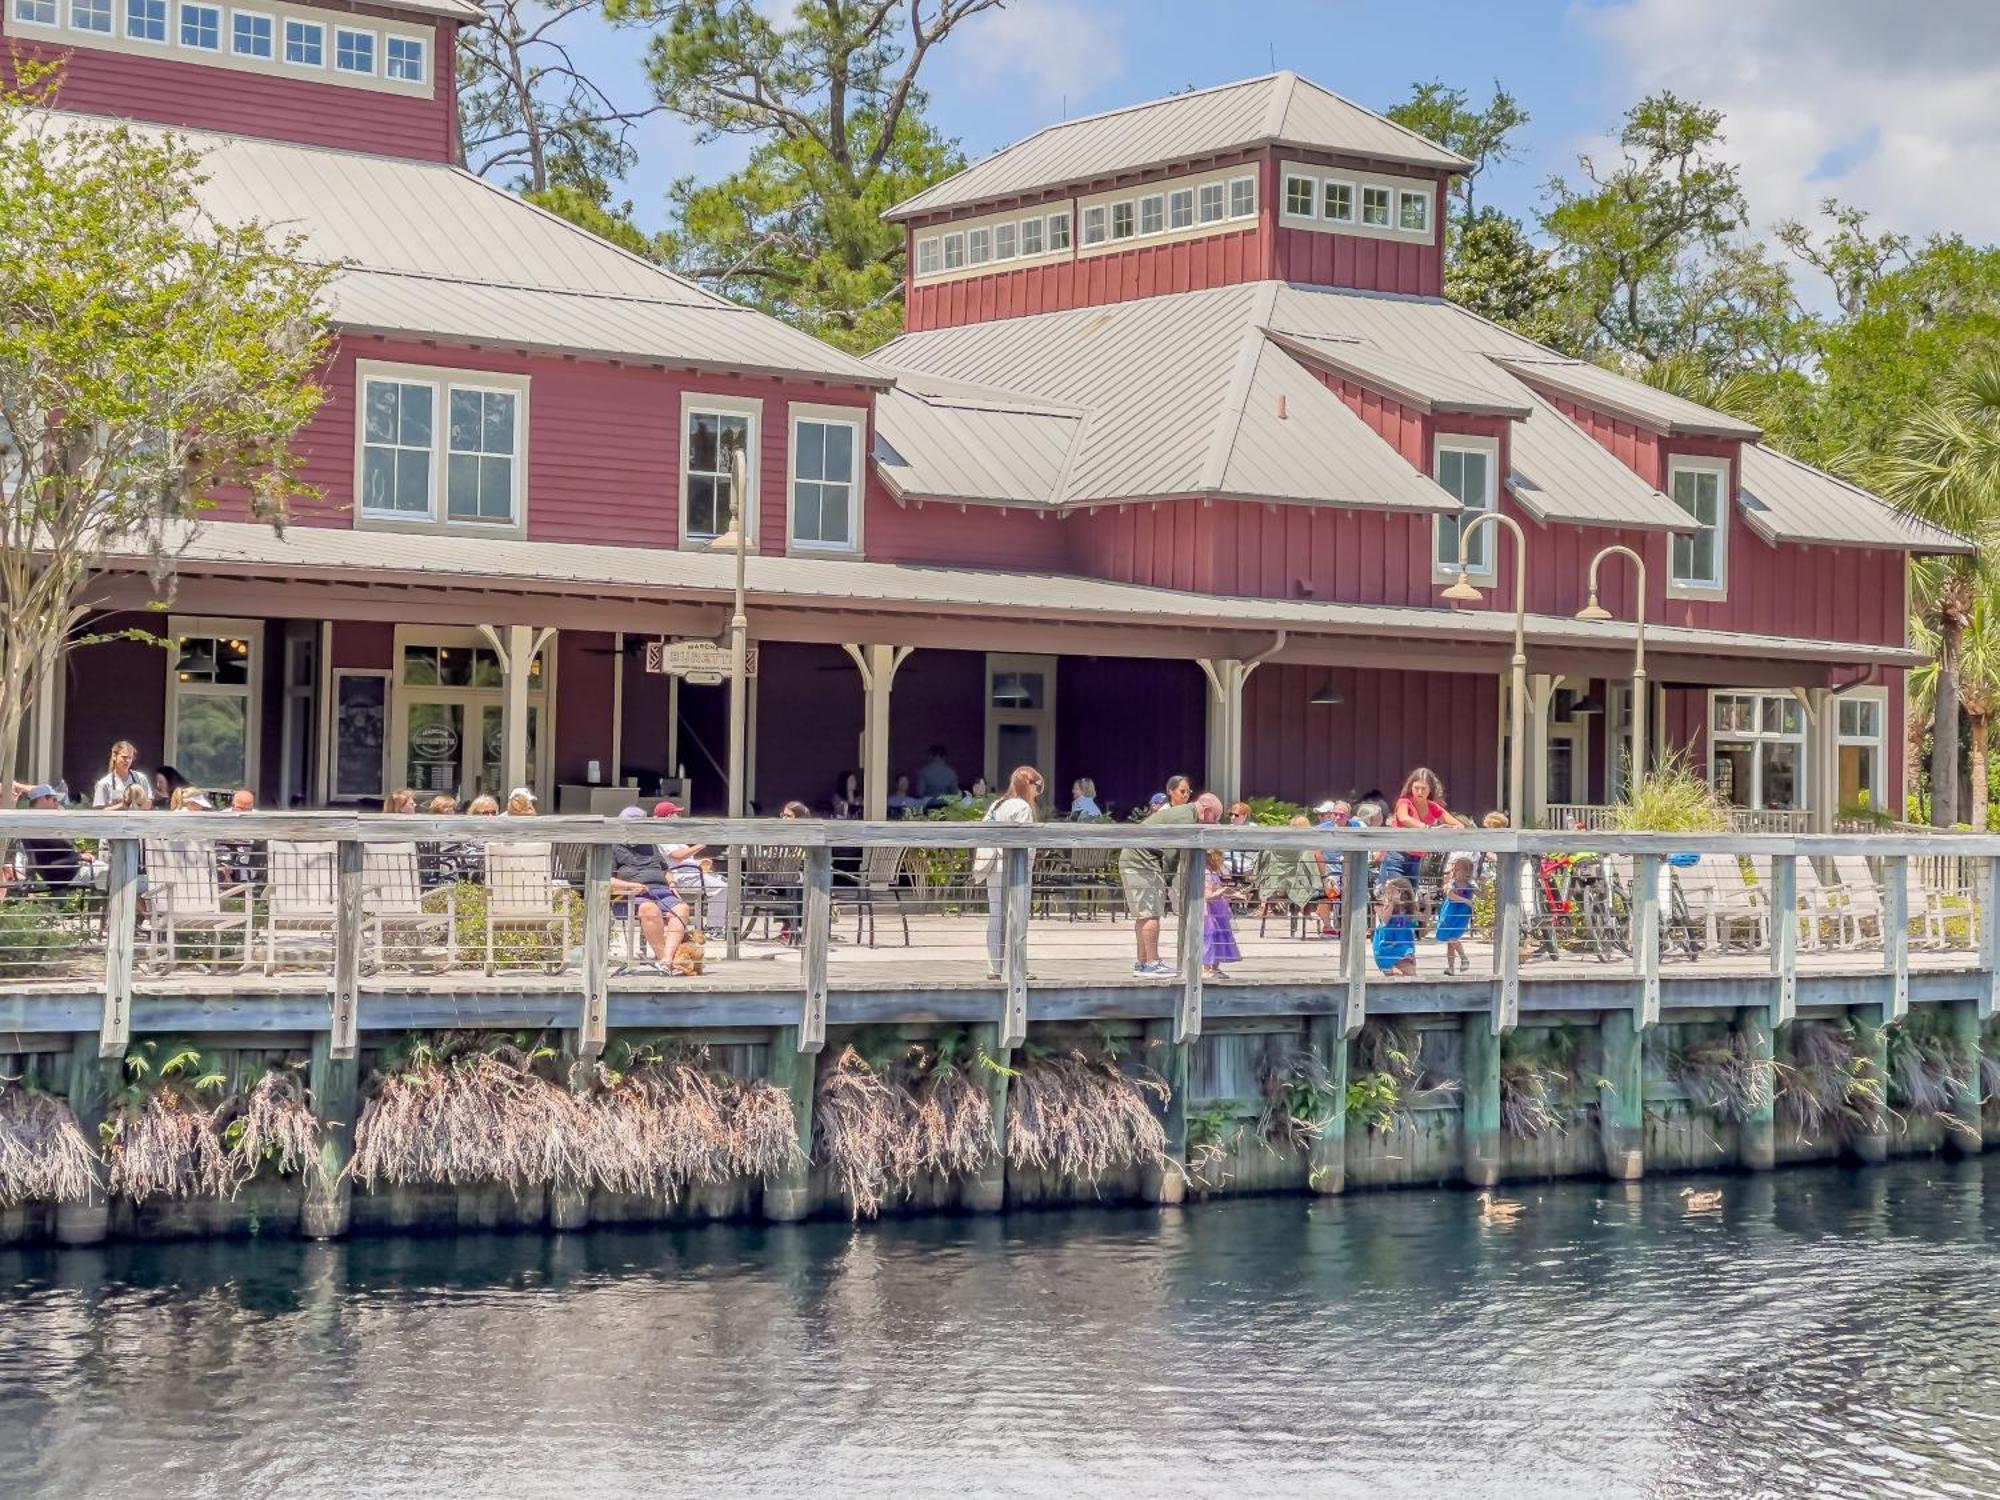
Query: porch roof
(612,576)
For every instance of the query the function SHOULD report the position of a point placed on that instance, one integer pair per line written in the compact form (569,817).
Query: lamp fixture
(1593,610)
(1463,591)
(1589,703)
(1328,696)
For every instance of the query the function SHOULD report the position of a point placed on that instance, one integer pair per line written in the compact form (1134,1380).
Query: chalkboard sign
(360,734)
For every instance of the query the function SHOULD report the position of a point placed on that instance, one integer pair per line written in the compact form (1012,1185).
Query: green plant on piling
(160,1135)
(1930,1069)
(1727,1073)
(890,1110)
(1213,1133)
(1540,1092)
(1829,1087)
(1301,1102)
(1390,1080)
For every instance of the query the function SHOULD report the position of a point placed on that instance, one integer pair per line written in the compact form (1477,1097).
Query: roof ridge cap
(1236,399)
(1281,103)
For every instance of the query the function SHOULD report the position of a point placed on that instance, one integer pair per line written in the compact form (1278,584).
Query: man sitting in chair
(639,884)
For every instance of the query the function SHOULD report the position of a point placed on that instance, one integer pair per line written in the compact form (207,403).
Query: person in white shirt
(1017,806)
(119,778)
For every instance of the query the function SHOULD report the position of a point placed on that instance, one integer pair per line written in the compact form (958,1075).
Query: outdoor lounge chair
(1814,909)
(524,895)
(1719,901)
(1941,893)
(186,898)
(301,897)
(1859,897)
(393,918)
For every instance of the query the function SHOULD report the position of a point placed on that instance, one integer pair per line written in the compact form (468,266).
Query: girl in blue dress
(1395,938)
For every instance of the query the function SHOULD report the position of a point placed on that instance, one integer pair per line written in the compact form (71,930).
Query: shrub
(1724,1075)
(1829,1085)
(1274,812)
(1390,1079)
(1930,1068)
(38,936)
(1300,1101)
(160,1136)
(666,1118)
(1676,798)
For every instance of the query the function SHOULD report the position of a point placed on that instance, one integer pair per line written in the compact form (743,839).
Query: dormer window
(1180,209)
(146,20)
(35,12)
(1031,236)
(1211,202)
(1415,211)
(954,251)
(1300,193)
(1375,207)
(1337,202)
(201,27)
(250,34)
(1059,231)
(1152,214)
(978,246)
(1004,241)
(305,44)
(928,258)
(1700,558)
(403,59)
(1122,221)
(1093,225)
(1243,198)
(91,15)
(354,51)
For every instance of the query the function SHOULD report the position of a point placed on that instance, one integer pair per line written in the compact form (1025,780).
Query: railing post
(793,1068)
(1621,1105)
(1506,952)
(334,1082)
(1354,940)
(346,949)
(1989,939)
(596,952)
(121,936)
(1896,935)
(1785,937)
(1016,868)
(1326,1168)
(1646,939)
(1193,914)
(818,930)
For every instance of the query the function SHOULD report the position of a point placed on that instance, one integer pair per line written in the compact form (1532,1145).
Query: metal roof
(1787,501)
(340,554)
(429,249)
(451,10)
(1280,108)
(1419,387)
(1183,395)
(940,442)
(1637,402)
(1558,472)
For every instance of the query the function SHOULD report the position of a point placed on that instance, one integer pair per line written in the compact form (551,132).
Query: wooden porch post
(1541,690)
(878,666)
(517,647)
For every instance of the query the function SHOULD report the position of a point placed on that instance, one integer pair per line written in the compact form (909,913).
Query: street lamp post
(1595,611)
(736,539)
(1463,590)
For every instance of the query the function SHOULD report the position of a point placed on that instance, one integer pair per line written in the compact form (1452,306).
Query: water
(1830,1332)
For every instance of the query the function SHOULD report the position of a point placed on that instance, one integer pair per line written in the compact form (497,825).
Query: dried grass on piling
(272,1123)
(881,1125)
(44,1154)
(1531,1099)
(1390,1080)
(667,1121)
(1931,1070)
(1829,1086)
(166,1146)
(1725,1075)
(1082,1116)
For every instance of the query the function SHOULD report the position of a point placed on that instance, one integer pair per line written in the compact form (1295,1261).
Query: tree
(1850,258)
(1445,115)
(1495,270)
(526,109)
(1978,679)
(151,357)
(830,95)
(1943,467)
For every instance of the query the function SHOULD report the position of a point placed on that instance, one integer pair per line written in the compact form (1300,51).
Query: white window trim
(15,18)
(1041,230)
(1221,204)
(180,10)
(1159,200)
(1188,194)
(1725,507)
(252,691)
(946,242)
(935,245)
(1013,233)
(423,47)
(1361,206)
(166,37)
(111,11)
(1131,207)
(1761,736)
(324,65)
(1102,213)
(443,380)
(1455,442)
(1353,200)
(855,417)
(1412,195)
(252,57)
(1311,185)
(694,402)
(1879,741)
(1229,201)
(374,51)
(277,14)
(1061,216)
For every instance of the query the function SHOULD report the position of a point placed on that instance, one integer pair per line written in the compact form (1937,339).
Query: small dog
(688,956)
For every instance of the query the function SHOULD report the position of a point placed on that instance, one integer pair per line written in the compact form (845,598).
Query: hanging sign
(702,663)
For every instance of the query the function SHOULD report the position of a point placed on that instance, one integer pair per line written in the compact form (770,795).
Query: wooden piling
(92,1080)
(1621,1101)
(1327,1167)
(788,1192)
(1873,1024)
(1167,1182)
(985,1192)
(1757,1136)
(1966,1107)
(1481,1116)
(335,1083)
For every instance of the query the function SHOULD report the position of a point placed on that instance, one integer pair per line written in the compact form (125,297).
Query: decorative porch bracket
(818,929)
(121,919)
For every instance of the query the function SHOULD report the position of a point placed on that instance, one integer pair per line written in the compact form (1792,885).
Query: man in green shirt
(1144,874)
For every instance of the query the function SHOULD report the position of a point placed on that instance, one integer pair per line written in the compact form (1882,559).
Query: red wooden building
(1167,474)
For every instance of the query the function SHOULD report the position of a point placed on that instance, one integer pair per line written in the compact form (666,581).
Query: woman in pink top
(1419,805)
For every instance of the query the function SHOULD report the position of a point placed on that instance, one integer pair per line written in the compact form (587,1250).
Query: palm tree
(1978,679)
(1943,467)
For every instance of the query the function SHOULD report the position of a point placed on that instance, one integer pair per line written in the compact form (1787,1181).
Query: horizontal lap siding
(171,90)
(983,536)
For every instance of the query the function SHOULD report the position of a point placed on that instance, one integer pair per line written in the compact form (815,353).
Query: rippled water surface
(1830,1332)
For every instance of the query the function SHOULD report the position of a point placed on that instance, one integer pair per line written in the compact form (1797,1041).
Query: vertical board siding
(176,89)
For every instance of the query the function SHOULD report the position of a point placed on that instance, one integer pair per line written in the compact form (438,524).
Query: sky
(1893,105)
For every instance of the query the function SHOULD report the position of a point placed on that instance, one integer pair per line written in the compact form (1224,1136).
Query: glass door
(1020,716)
(434,748)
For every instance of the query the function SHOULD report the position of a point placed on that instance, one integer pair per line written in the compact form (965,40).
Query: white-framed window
(1093,225)
(826,486)
(250,34)
(201,26)
(1375,206)
(1700,558)
(1005,241)
(146,20)
(713,430)
(1210,199)
(90,15)
(1337,202)
(954,251)
(1861,717)
(1180,208)
(305,44)
(978,246)
(1414,212)
(929,258)
(1123,221)
(440,448)
(35,12)
(403,59)
(1059,231)
(1242,197)
(213,692)
(1757,749)
(1152,214)
(1301,196)
(1466,468)
(1031,236)
(354,51)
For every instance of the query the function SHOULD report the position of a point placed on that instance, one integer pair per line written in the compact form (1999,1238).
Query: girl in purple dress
(1218,937)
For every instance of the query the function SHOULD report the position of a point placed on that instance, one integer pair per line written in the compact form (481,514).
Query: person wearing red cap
(694,877)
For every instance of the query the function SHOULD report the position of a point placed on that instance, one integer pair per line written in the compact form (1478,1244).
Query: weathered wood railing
(1895,854)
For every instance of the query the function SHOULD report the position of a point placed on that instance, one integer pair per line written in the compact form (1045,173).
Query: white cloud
(1062,51)
(1893,107)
